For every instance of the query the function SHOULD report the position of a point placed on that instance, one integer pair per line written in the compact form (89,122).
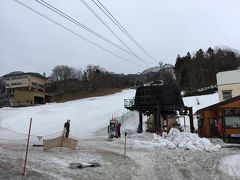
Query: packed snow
(231,165)
(177,139)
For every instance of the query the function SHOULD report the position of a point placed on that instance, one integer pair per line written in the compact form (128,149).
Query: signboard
(235,135)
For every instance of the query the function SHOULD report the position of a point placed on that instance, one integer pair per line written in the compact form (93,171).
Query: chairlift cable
(101,20)
(52,8)
(75,33)
(117,23)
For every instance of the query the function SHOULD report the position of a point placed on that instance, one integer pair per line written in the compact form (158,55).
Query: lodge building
(24,89)
(222,120)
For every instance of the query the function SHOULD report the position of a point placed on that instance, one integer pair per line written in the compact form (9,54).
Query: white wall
(228,80)
(235,88)
(228,77)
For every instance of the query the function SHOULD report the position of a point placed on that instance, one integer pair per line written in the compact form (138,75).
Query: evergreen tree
(199,71)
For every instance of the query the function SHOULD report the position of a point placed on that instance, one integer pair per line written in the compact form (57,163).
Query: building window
(237,111)
(228,112)
(34,84)
(232,122)
(227,94)
(231,112)
(41,85)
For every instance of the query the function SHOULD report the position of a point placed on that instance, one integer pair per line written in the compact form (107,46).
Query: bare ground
(140,163)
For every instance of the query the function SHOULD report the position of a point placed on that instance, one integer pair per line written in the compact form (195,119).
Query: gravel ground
(140,163)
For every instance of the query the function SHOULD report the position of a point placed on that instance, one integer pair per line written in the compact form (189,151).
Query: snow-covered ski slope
(87,115)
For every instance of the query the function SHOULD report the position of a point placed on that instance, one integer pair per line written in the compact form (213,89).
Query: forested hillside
(68,83)
(199,70)
(192,72)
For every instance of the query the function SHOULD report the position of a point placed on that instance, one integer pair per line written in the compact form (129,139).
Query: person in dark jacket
(118,130)
(67,128)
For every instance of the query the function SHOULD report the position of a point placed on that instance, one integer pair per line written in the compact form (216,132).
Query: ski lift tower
(158,101)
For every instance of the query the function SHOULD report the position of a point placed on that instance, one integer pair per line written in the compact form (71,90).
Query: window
(232,122)
(41,85)
(228,112)
(237,111)
(34,84)
(231,112)
(227,94)
(213,122)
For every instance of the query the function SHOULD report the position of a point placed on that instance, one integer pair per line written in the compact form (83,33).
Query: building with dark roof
(220,120)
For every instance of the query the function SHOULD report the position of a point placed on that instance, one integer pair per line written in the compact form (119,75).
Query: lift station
(160,101)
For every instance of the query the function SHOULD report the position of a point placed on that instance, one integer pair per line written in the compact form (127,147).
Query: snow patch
(230,165)
(177,139)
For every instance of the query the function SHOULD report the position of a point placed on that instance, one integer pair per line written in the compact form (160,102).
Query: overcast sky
(30,43)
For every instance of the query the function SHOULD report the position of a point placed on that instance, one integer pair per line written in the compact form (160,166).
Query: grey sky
(28,42)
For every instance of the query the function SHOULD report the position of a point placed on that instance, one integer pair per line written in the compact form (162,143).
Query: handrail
(128,102)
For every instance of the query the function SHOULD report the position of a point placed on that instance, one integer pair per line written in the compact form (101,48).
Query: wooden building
(220,120)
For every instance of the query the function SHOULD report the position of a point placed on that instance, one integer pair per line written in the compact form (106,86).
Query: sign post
(125,145)
(25,161)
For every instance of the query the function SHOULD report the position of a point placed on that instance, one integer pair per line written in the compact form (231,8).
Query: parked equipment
(112,127)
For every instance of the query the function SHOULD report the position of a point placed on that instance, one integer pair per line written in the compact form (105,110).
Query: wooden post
(25,161)
(190,114)
(140,126)
(62,139)
(125,145)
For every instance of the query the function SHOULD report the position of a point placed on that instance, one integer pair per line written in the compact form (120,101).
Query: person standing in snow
(118,130)
(67,128)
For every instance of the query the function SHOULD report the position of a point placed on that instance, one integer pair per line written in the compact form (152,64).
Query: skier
(67,128)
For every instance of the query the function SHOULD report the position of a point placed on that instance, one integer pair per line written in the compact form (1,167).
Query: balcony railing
(128,103)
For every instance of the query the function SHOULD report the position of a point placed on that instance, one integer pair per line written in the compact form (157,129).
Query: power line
(100,19)
(52,8)
(78,35)
(116,22)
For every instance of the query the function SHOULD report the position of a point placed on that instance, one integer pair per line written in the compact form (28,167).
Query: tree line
(199,70)
(191,72)
(65,78)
